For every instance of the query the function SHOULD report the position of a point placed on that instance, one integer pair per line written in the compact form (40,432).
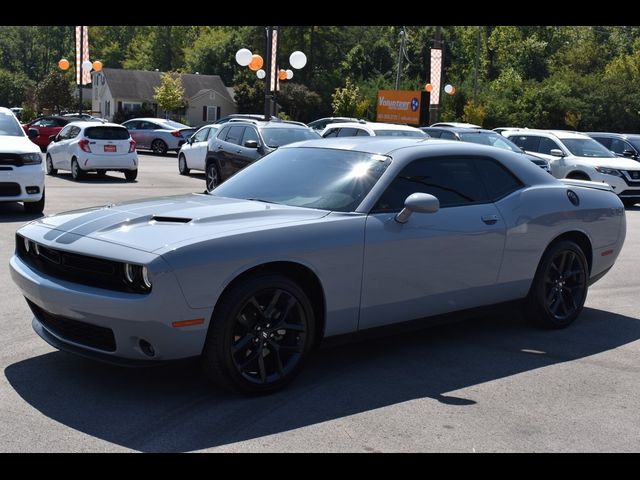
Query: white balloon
(298,59)
(448,88)
(243,56)
(87,65)
(289,74)
(261,74)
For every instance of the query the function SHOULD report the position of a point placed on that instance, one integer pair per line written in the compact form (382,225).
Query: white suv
(575,155)
(21,171)
(93,146)
(372,129)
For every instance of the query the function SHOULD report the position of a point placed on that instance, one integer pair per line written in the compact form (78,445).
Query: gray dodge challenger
(317,239)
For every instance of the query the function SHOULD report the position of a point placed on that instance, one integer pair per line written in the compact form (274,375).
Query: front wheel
(559,287)
(49,165)
(212,176)
(182,165)
(260,334)
(35,207)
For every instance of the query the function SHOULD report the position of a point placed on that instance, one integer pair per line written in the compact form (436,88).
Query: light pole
(271,74)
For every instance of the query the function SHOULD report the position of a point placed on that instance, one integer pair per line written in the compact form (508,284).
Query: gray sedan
(158,134)
(315,240)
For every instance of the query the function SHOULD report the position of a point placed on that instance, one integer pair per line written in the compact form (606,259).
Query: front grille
(73,330)
(629,194)
(632,177)
(83,269)
(9,189)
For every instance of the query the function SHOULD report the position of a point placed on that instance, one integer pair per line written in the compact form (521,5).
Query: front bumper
(130,317)
(24,176)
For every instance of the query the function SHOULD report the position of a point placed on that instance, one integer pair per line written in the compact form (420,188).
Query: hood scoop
(158,218)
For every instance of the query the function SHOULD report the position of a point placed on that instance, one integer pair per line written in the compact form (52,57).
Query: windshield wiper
(261,200)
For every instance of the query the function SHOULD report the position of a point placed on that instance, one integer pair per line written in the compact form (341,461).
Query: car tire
(182,165)
(49,166)
(559,288)
(101,172)
(35,207)
(76,172)
(211,176)
(159,147)
(260,334)
(131,175)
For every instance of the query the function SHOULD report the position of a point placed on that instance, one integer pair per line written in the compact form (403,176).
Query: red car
(46,126)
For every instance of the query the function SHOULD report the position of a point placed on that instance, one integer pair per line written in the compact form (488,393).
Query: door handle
(490,219)
(219,147)
(238,151)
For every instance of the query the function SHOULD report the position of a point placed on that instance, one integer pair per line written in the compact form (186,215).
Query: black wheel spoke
(291,327)
(551,295)
(272,304)
(250,359)
(563,260)
(571,301)
(243,343)
(554,306)
(261,368)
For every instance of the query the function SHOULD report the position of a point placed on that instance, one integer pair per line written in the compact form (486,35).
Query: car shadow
(11,212)
(151,153)
(173,409)
(109,177)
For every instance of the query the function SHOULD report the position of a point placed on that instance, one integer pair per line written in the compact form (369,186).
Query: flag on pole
(436,75)
(82,54)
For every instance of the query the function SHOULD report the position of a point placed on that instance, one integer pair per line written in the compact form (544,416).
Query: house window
(107,108)
(131,106)
(213,113)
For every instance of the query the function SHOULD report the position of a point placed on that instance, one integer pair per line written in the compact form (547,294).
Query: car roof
(455,124)
(633,136)
(560,134)
(90,123)
(462,130)
(273,123)
(381,145)
(372,126)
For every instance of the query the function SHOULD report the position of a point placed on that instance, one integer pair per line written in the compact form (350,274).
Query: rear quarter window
(107,133)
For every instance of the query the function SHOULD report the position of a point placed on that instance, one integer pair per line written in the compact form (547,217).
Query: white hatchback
(93,146)
(193,153)
(21,172)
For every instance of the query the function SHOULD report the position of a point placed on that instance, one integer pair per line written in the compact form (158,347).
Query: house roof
(139,84)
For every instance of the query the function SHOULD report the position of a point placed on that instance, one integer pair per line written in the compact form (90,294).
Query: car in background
(240,116)
(484,137)
(240,143)
(371,129)
(455,125)
(317,239)
(622,144)
(158,134)
(578,156)
(83,147)
(17,111)
(193,153)
(321,123)
(46,127)
(21,170)
(84,116)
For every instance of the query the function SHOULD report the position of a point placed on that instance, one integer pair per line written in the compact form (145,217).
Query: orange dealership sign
(399,106)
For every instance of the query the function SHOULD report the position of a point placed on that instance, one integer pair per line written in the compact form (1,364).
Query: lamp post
(271,74)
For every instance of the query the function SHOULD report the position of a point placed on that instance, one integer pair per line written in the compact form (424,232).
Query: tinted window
(276,137)
(65,133)
(453,181)
(498,180)
(107,133)
(149,126)
(59,122)
(74,131)
(546,145)
(250,133)
(321,178)
(348,132)
(586,147)
(44,122)
(448,136)
(526,142)
(619,146)
(605,141)
(234,134)
(400,133)
(201,135)
(491,139)
(362,133)
(135,125)
(332,133)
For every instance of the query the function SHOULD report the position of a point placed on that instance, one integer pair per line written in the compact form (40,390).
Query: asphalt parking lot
(485,385)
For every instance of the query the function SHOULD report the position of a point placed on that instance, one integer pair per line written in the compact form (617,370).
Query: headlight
(137,277)
(609,171)
(31,158)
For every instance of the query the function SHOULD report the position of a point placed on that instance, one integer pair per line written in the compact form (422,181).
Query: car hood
(617,163)
(21,144)
(154,224)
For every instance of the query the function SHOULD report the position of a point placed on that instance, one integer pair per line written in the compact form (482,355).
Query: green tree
(169,94)
(249,96)
(13,88)
(347,101)
(299,102)
(54,92)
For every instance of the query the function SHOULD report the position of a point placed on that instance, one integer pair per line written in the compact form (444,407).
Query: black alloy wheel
(159,147)
(212,176)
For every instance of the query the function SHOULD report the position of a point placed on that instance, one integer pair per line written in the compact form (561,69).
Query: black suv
(241,142)
(622,144)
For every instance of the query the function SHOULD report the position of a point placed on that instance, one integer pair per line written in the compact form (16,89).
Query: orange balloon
(63,64)
(256,62)
(428,87)
(97,65)
(282,74)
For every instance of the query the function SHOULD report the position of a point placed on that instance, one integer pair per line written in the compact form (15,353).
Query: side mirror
(556,152)
(420,203)
(53,138)
(251,144)
(629,153)
(190,140)
(32,133)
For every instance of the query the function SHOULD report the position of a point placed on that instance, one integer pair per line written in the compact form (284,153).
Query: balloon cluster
(245,58)
(448,88)
(64,64)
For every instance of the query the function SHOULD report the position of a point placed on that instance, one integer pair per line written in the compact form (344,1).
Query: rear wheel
(35,207)
(182,165)
(559,288)
(130,175)
(261,332)
(76,171)
(101,172)
(158,146)
(49,165)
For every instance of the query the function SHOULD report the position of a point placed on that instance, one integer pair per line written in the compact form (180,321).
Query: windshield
(491,139)
(276,137)
(320,178)
(635,142)
(586,147)
(10,126)
(400,133)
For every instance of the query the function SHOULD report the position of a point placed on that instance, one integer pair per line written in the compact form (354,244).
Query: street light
(271,74)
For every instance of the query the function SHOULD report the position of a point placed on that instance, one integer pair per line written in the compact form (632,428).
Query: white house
(115,89)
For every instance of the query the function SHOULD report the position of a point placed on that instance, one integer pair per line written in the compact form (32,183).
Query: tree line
(584,78)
